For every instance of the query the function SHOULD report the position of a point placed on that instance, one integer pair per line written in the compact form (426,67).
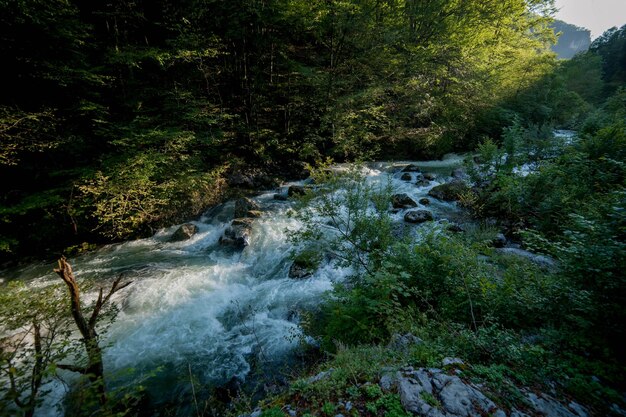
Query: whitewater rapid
(217,313)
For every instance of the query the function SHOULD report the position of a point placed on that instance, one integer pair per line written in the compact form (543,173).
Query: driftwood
(87,326)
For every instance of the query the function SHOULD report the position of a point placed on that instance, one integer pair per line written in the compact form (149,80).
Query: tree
(87,326)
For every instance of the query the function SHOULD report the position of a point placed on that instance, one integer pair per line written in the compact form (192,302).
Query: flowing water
(196,307)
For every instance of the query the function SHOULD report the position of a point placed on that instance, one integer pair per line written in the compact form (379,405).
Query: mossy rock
(450,191)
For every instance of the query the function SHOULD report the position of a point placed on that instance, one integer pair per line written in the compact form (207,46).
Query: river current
(198,310)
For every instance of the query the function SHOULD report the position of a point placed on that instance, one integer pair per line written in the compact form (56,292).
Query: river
(217,313)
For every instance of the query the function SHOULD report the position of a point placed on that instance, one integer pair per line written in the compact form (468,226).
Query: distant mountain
(573,39)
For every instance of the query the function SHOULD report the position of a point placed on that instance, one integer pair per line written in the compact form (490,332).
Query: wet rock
(418,216)
(449,191)
(422,182)
(280,197)
(406,177)
(237,235)
(499,241)
(243,206)
(402,342)
(184,232)
(429,176)
(424,201)
(298,271)
(411,168)
(242,221)
(403,200)
(254,214)
(295,190)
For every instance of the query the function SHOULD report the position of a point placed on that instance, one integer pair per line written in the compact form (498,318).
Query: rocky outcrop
(433,392)
(403,342)
(406,177)
(184,232)
(450,191)
(403,200)
(243,206)
(418,216)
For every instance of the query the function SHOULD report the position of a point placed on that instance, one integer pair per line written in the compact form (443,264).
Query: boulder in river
(280,197)
(411,168)
(450,191)
(184,232)
(402,201)
(424,201)
(243,206)
(418,216)
(429,176)
(422,182)
(406,177)
(236,235)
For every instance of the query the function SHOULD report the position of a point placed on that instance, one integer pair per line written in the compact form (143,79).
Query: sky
(595,15)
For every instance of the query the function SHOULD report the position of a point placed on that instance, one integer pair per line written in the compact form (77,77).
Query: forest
(120,119)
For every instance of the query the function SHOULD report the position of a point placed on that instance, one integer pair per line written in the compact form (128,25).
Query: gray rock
(422,182)
(322,375)
(402,342)
(453,397)
(406,177)
(424,201)
(550,407)
(256,413)
(348,406)
(418,216)
(403,200)
(452,361)
(387,381)
(184,232)
(243,206)
(429,176)
(411,168)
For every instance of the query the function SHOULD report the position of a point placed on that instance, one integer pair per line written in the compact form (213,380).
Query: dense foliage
(118,117)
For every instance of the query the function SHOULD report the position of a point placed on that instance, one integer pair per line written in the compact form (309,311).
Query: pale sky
(595,15)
